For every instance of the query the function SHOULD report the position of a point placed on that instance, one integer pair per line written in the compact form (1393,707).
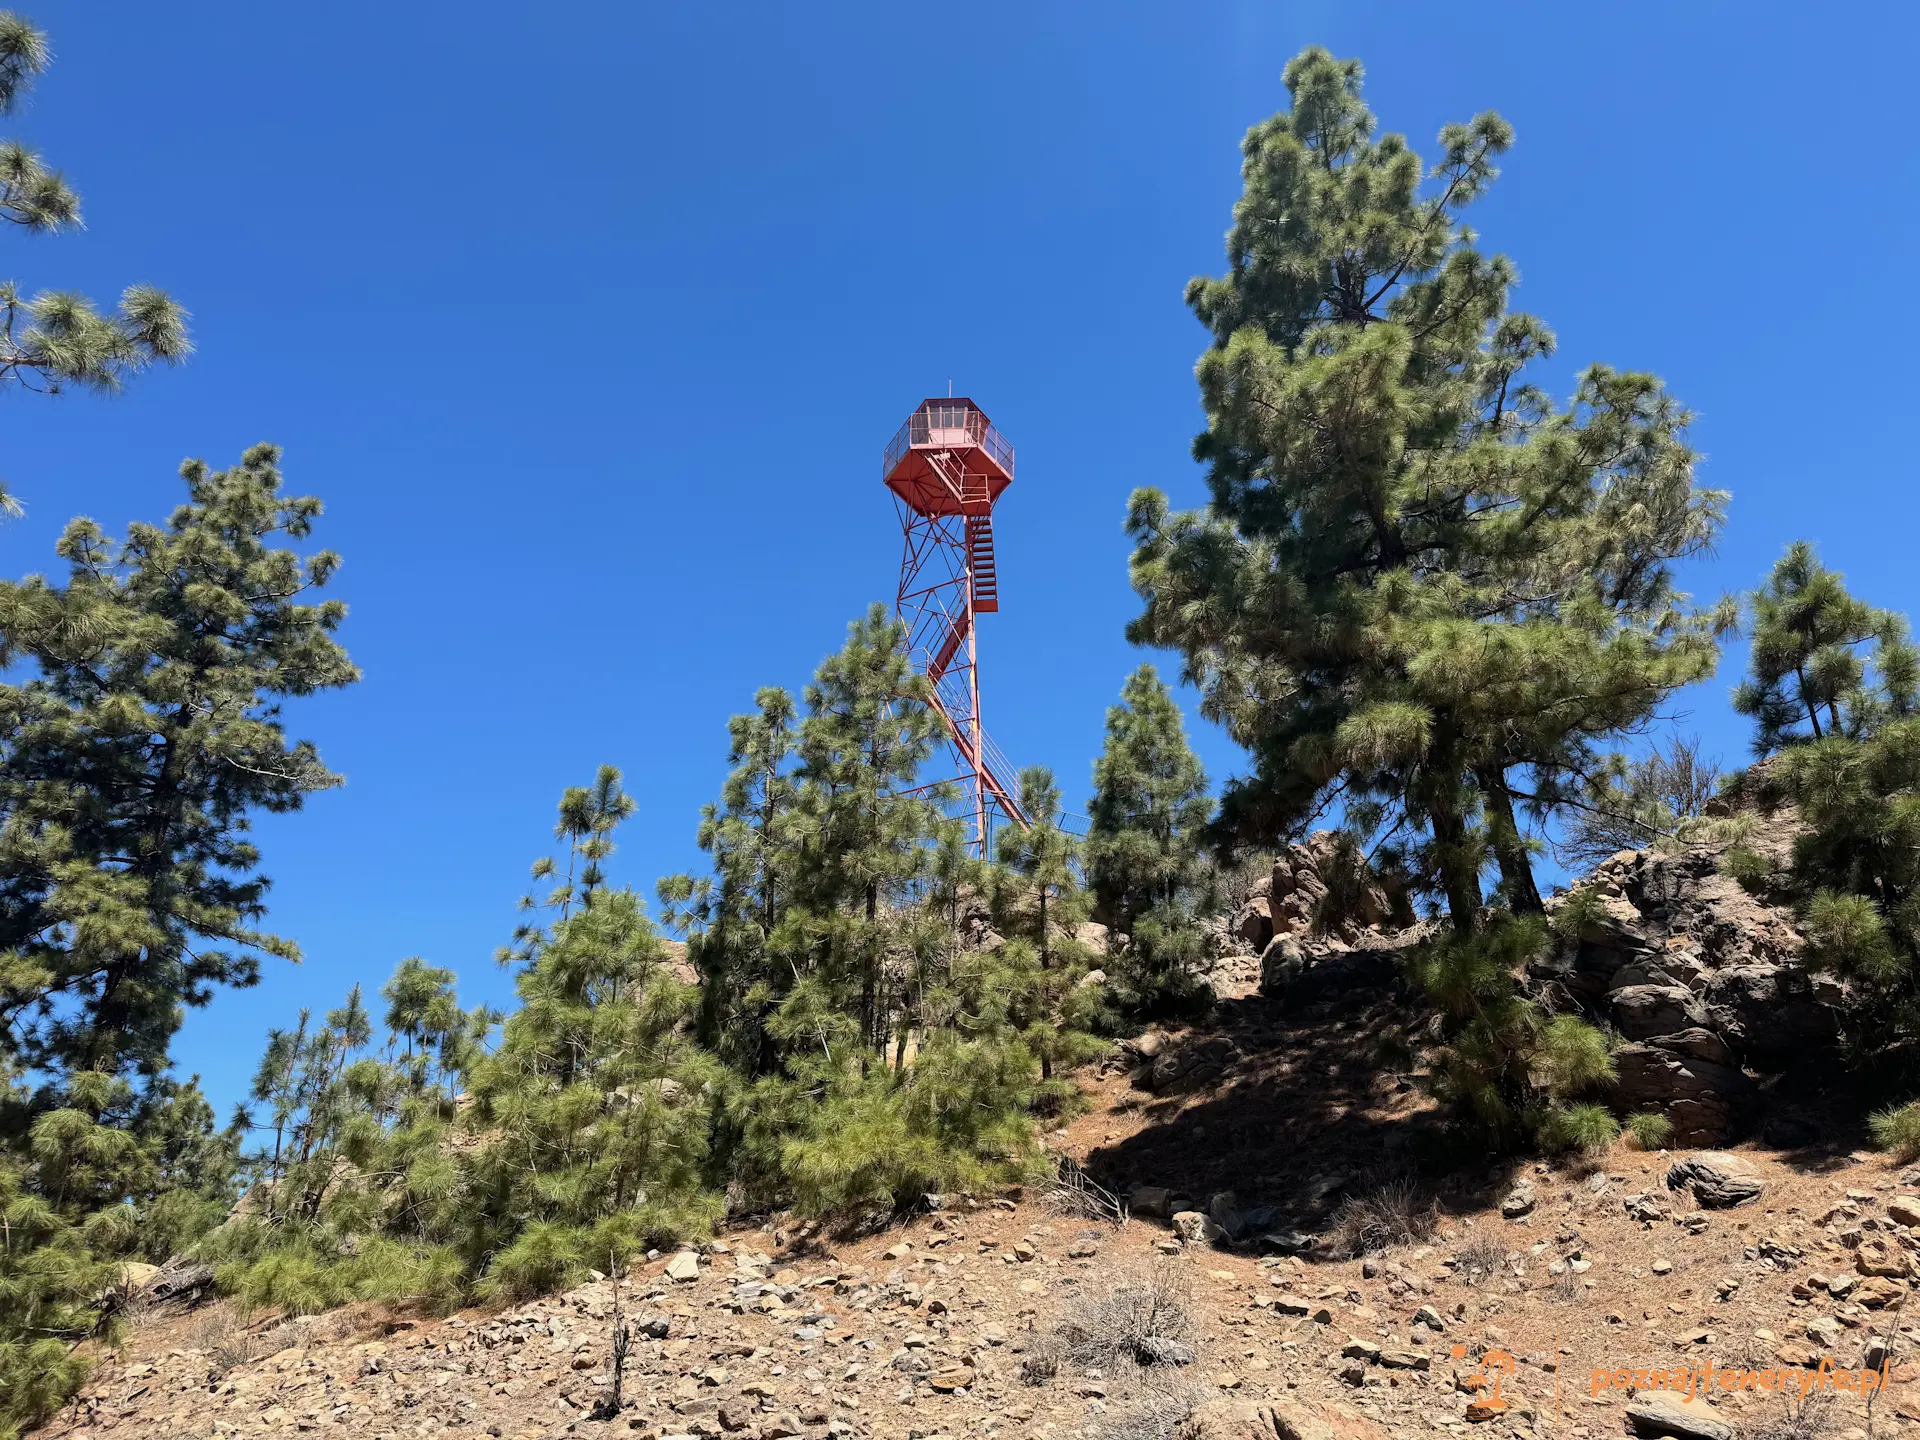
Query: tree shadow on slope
(1313,1108)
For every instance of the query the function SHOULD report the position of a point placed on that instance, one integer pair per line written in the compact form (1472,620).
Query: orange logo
(1498,1363)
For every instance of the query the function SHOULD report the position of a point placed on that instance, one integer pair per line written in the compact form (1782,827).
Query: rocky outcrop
(1704,981)
(1180,1066)
(1298,970)
(1289,901)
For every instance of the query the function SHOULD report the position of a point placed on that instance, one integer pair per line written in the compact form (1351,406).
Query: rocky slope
(949,1325)
(1325,1296)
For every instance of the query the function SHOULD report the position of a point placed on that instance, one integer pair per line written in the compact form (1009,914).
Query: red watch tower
(946,467)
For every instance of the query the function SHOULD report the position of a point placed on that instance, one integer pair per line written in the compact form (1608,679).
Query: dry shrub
(1142,1322)
(1075,1194)
(1389,1214)
(1480,1259)
(226,1337)
(1567,1289)
(1793,1416)
(1172,1413)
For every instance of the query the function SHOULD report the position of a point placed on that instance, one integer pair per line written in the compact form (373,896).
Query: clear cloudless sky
(589,322)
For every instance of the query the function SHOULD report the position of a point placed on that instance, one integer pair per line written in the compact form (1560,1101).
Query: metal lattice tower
(946,467)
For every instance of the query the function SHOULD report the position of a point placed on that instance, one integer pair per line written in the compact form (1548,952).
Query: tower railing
(947,425)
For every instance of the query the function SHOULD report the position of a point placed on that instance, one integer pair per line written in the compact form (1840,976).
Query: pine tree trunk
(1509,847)
(1458,878)
(869,966)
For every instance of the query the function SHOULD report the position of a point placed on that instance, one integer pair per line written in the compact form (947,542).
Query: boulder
(1196,1229)
(1877,1257)
(1702,1099)
(684,1266)
(1285,1420)
(1284,962)
(1148,1045)
(1665,1412)
(135,1276)
(1153,1201)
(1904,1209)
(1876,1291)
(678,965)
(1698,1043)
(1643,1011)
(1192,1064)
(1254,923)
(1791,1130)
(1519,1201)
(1223,1208)
(1718,1181)
(1614,936)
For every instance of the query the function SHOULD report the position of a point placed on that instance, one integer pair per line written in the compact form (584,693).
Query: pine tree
(105,1174)
(1039,905)
(1807,664)
(868,730)
(418,1165)
(732,915)
(130,763)
(58,338)
(1420,587)
(140,730)
(876,1053)
(1835,696)
(1145,865)
(589,814)
(602,1104)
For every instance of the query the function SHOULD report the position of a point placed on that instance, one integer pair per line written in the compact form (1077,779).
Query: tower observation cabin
(946,467)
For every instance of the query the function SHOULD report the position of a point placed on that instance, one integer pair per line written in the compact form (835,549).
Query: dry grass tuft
(1172,1413)
(1480,1259)
(225,1335)
(1141,1323)
(1793,1416)
(1389,1214)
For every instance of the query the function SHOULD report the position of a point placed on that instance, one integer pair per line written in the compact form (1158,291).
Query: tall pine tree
(1420,585)
(1145,864)
(146,730)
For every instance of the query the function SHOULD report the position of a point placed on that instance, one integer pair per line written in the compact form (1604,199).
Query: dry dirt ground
(936,1328)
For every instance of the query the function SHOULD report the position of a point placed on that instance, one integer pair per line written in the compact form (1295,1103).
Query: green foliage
(1835,696)
(57,338)
(1753,871)
(420,1164)
(1151,883)
(1578,1129)
(1505,1068)
(1421,587)
(130,762)
(1806,661)
(874,1051)
(1897,1128)
(139,730)
(1650,1131)
(97,1175)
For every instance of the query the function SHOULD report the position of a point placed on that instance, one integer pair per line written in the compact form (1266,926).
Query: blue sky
(589,322)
